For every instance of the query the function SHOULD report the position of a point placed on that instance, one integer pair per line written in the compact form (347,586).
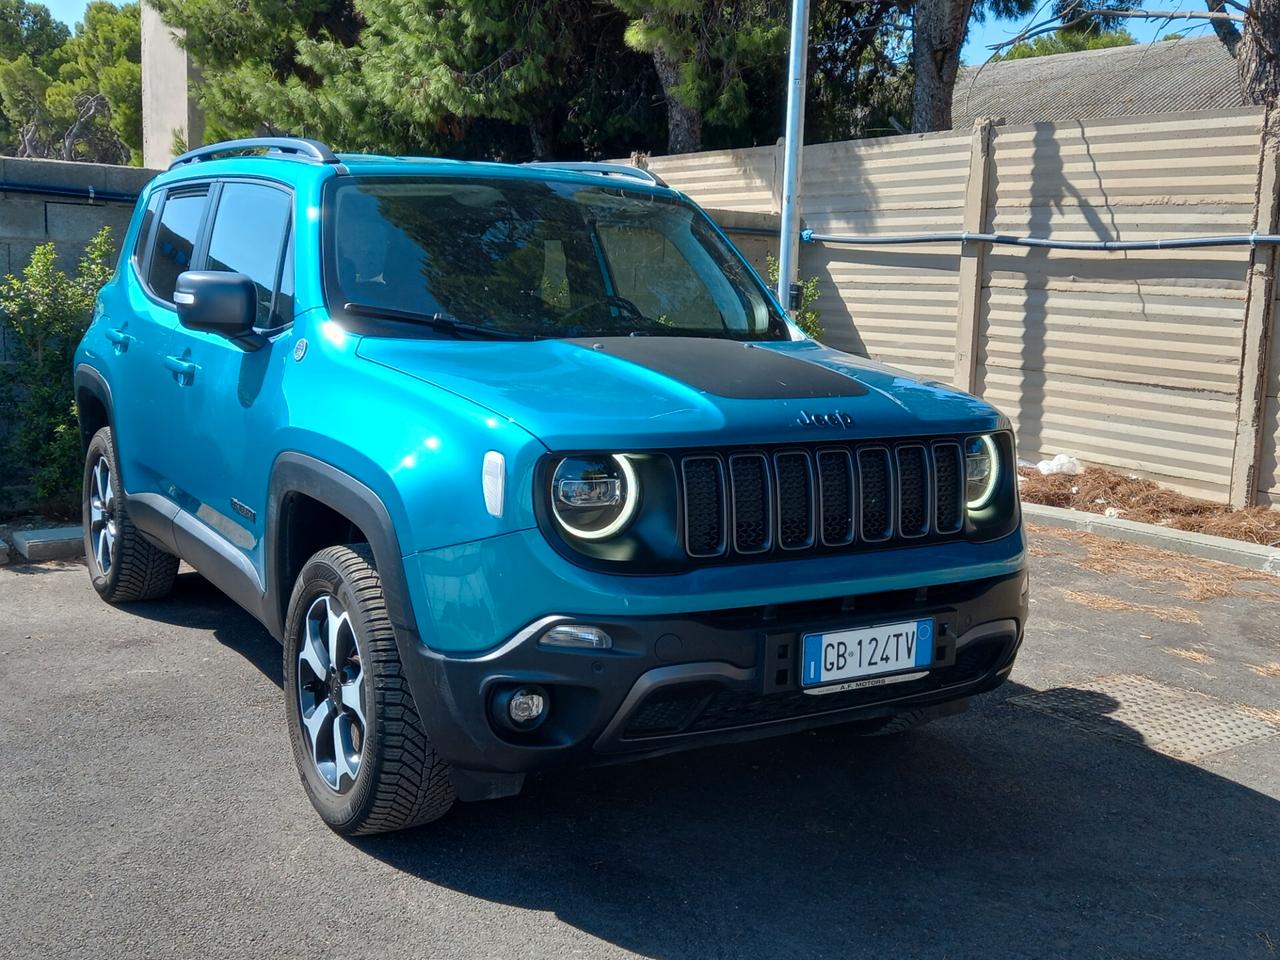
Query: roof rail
(295,147)
(604,169)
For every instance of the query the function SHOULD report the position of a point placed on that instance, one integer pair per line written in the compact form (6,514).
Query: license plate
(864,656)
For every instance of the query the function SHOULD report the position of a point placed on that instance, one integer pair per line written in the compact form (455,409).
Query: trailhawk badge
(837,419)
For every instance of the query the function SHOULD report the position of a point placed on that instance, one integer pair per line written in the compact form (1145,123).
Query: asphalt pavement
(1118,798)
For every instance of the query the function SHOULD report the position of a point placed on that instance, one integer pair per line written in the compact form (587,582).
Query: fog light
(520,709)
(577,635)
(526,706)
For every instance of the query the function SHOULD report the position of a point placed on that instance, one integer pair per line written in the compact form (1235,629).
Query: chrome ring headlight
(982,471)
(594,498)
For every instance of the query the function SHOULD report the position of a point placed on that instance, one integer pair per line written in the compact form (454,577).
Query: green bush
(48,311)
(807,319)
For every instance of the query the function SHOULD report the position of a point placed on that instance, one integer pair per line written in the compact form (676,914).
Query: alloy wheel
(331,693)
(102,515)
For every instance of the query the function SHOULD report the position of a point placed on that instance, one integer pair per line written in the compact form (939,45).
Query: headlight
(982,471)
(594,497)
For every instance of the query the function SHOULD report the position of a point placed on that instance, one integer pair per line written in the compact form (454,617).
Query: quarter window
(175,241)
(248,235)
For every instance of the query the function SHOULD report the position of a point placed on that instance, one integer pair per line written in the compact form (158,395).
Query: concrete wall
(167,80)
(29,217)
(1142,361)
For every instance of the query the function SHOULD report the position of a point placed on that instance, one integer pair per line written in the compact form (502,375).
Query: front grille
(797,499)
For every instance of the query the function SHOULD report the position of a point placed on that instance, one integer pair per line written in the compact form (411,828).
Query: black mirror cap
(217,302)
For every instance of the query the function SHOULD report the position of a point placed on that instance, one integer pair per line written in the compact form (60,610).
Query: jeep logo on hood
(838,419)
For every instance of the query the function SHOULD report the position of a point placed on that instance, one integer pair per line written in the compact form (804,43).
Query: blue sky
(994,31)
(68,11)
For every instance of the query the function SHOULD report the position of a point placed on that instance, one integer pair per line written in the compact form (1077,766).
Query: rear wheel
(364,759)
(123,564)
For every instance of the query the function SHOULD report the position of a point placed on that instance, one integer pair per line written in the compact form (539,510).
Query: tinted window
(284,301)
(541,258)
(144,231)
(248,233)
(175,241)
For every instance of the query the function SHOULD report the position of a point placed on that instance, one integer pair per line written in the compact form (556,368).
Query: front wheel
(364,759)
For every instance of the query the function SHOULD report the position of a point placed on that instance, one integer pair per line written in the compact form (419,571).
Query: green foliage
(1066,41)
(461,78)
(728,56)
(807,318)
(48,310)
(80,99)
(29,28)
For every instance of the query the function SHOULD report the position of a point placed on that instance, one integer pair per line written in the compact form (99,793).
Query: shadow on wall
(999,833)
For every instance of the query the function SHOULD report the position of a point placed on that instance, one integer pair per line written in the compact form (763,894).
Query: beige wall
(1129,360)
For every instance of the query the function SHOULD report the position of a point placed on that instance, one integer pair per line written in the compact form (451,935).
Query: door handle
(185,370)
(120,339)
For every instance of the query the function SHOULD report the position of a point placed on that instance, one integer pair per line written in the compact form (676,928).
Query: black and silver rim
(102,515)
(331,693)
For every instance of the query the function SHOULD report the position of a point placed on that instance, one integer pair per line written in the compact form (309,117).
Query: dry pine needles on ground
(1096,489)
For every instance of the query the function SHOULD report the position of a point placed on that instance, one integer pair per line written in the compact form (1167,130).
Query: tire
(123,564)
(364,759)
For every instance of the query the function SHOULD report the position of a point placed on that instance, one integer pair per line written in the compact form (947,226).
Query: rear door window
(175,244)
(249,233)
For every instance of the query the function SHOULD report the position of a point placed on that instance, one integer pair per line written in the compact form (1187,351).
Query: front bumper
(679,681)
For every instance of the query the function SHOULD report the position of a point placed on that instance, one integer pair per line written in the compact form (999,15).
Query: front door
(230,402)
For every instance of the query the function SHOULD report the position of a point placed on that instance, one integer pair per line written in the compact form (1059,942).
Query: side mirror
(221,303)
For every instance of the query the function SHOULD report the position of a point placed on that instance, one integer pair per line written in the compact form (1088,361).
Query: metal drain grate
(1134,709)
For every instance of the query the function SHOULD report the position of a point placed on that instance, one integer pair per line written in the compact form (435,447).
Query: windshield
(538,259)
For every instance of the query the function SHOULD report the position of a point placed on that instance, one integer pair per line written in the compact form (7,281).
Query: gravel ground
(150,806)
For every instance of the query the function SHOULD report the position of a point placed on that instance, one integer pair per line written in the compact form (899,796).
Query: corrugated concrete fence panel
(897,304)
(723,179)
(1128,360)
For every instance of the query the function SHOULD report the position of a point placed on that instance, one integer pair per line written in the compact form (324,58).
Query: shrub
(48,311)
(807,319)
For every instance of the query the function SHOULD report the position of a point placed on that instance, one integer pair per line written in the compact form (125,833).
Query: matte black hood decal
(728,368)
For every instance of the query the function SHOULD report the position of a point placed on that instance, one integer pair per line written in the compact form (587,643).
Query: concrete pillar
(168,81)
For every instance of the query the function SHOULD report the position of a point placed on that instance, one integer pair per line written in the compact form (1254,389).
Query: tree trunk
(684,124)
(541,137)
(937,36)
(1226,30)
(1258,54)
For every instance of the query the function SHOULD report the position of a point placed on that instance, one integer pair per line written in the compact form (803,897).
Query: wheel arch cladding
(93,403)
(313,505)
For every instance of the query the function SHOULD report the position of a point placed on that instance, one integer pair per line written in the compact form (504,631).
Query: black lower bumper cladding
(699,679)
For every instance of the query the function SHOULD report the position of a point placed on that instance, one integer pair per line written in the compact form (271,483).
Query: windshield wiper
(436,321)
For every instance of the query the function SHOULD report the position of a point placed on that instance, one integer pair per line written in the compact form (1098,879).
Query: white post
(797,68)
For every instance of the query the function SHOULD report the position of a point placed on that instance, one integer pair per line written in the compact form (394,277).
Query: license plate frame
(851,666)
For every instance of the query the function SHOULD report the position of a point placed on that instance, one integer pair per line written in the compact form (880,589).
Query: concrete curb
(51,543)
(1249,555)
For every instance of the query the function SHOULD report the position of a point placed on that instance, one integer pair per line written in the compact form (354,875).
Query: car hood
(656,392)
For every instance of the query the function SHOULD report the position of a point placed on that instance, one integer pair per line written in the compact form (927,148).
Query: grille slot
(875,474)
(752,502)
(948,472)
(835,496)
(839,496)
(704,506)
(795,499)
(913,491)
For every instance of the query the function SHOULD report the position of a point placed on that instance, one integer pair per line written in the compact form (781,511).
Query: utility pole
(797,73)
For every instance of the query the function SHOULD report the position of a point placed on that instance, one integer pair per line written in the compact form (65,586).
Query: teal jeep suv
(525,467)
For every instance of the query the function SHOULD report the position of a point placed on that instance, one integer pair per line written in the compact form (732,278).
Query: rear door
(144,400)
(230,404)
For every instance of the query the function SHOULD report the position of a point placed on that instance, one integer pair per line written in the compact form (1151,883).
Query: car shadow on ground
(1002,832)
